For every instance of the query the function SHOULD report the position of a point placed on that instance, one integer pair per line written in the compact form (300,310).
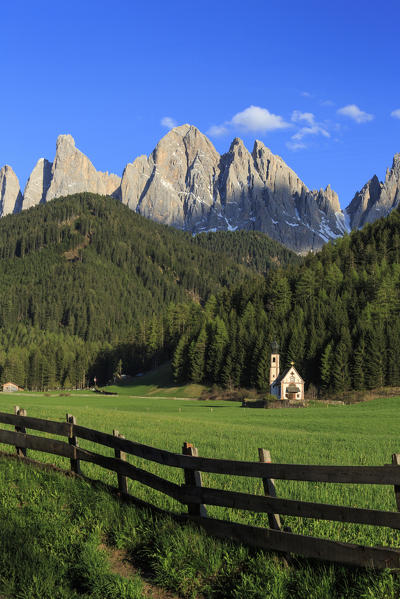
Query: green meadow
(157,383)
(358,434)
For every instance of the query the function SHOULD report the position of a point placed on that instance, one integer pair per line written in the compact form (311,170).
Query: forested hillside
(251,248)
(86,282)
(336,315)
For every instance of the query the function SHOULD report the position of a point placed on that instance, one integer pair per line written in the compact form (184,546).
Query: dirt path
(121,564)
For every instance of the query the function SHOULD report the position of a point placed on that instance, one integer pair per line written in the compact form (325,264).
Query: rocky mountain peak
(186,183)
(330,199)
(64,140)
(376,199)
(71,172)
(10,193)
(396,163)
(38,184)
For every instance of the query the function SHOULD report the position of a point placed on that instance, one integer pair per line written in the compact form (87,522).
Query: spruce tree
(358,367)
(375,362)
(197,352)
(340,368)
(326,367)
(179,362)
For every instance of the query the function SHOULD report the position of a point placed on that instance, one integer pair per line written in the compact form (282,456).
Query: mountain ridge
(186,183)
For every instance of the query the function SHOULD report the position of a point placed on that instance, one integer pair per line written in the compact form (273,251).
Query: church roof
(283,374)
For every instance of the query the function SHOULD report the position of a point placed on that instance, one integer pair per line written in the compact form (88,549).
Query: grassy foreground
(186,560)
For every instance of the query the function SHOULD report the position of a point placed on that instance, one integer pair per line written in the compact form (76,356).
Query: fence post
(193,479)
(396,462)
(121,455)
(21,451)
(269,488)
(72,440)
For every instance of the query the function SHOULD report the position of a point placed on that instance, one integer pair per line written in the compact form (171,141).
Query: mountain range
(187,184)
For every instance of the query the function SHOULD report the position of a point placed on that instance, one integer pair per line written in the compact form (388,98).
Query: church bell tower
(274,367)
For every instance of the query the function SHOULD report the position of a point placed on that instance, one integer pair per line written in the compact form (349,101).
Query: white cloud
(353,111)
(298,116)
(306,94)
(255,118)
(217,130)
(168,122)
(314,130)
(295,145)
(327,103)
(396,113)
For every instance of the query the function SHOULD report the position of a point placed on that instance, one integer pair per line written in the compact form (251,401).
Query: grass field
(157,383)
(365,433)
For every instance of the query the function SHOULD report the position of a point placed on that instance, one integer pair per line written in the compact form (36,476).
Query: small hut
(11,388)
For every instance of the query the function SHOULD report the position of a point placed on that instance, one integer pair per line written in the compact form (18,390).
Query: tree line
(336,315)
(87,283)
(89,287)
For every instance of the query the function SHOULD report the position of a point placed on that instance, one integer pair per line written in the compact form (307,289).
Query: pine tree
(374,358)
(358,368)
(179,362)
(262,382)
(227,378)
(326,366)
(197,357)
(340,368)
(218,340)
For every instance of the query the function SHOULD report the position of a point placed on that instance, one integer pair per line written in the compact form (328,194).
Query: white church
(289,384)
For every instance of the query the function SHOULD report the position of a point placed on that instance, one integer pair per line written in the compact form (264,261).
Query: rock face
(187,184)
(71,172)
(376,199)
(10,193)
(38,184)
(175,185)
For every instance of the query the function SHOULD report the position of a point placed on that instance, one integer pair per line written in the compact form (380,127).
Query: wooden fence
(195,496)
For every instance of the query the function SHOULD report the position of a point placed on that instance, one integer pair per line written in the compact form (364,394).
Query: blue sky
(317,82)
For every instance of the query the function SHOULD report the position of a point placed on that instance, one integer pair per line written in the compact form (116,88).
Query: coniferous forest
(90,288)
(335,314)
(87,283)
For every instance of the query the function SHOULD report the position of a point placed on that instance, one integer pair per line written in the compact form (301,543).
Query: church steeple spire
(274,367)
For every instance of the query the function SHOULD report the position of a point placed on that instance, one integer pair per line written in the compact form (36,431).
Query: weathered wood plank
(73,441)
(204,495)
(132,472)
(63,449)
(310,547)
(380,475)
(291,507)
(37,424)
(38,443)
(193,480)
(121,455)
(20,428)
(269,488)
(396,462)
(160,456)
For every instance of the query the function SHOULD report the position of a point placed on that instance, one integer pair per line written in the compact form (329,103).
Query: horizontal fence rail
(376,475)
(196,497)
